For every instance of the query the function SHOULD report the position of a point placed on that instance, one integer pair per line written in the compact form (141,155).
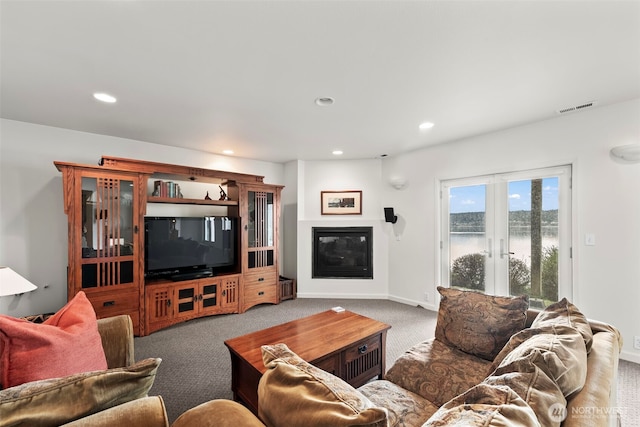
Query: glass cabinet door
(107,231)
(260,229)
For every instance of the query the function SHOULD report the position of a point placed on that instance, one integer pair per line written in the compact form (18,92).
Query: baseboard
(407,301)
(339,296)
(629,356)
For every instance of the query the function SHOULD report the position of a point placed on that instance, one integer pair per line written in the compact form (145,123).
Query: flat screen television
(190,247)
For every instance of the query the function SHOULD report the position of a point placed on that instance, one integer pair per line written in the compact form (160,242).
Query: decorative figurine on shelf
(223,194)
(207,196)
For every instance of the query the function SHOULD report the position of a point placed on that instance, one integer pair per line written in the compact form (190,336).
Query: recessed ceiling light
(324,101)
(336,152)
(104,97)
(426,125)
(227,151)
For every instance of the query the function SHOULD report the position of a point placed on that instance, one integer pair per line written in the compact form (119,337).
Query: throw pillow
(559,351)
(477,323)
(57,401)
(565,313)
(540,392)
(66,343)
(484,405)
(293,392)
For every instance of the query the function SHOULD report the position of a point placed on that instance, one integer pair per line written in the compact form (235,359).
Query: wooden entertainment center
(106,205)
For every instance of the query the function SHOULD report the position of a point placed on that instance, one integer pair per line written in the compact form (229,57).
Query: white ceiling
(212,75)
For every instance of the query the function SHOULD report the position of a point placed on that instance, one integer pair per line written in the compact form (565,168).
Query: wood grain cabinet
(104,251)
(260,210)
(106,205)
(173,302)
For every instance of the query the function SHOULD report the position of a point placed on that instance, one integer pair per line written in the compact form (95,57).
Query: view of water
(468,243)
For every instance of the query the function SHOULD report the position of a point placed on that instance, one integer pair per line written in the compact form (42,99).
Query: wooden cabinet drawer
(107,304)
(259,294)
(112,303)
(264,278)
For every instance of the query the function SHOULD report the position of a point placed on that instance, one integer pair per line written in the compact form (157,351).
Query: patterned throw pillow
(479,324)
(64,344)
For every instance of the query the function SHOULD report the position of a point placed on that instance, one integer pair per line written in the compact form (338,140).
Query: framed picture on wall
(341,202)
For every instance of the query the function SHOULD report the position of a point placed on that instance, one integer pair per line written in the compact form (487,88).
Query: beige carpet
(196,365)
(629,393)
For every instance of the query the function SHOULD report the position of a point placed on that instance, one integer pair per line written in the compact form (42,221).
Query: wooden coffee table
(345,344)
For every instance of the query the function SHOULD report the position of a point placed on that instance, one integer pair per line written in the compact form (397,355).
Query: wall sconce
(11,283)
(398,182)
(627,153)
(389,216)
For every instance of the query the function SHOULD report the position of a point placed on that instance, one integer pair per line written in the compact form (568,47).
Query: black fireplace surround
(342,253)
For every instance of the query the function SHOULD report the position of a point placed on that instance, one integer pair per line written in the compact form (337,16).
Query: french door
(509,234)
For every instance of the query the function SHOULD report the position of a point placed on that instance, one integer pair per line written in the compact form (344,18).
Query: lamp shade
(11,283)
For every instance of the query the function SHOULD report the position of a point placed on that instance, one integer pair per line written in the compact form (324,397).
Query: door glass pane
(534,240)
(269,219)
(107,217)
(251,221)
(467,237)
(260,227)
(106,273)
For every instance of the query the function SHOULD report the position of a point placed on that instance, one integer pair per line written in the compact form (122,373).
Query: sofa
(493,362)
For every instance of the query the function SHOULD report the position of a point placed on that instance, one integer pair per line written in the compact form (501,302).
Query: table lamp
(11,283)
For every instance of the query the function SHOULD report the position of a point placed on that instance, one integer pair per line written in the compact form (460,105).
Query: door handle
(502,252)
(489,251)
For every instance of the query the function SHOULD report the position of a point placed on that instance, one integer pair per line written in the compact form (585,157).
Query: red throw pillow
(67,343)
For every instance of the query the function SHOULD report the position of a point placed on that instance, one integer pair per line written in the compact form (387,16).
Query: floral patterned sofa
(493,362)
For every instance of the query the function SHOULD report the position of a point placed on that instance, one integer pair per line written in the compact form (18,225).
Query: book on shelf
(168,189)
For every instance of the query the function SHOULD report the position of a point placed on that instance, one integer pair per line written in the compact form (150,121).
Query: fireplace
(342,253)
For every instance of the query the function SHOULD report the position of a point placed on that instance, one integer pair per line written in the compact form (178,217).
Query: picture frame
(341,202)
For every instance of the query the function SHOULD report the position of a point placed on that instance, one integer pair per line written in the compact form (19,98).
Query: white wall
(606,202)
(340,175)
(33,226)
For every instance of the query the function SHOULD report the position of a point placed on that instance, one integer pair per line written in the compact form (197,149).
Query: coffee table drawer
(330,364)
(363,360)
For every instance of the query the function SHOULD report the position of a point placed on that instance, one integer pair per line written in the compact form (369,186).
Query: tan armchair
(56,401)
(117,340)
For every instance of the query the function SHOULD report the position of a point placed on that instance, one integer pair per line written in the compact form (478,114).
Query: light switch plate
(590,239)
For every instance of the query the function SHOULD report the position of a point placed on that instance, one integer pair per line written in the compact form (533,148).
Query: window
(509,234)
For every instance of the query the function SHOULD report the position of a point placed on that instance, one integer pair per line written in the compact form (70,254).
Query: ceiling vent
(577,107)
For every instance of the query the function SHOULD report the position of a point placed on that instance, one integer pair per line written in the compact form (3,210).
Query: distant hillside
(473,222)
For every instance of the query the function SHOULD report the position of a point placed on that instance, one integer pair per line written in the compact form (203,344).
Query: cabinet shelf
(183,201)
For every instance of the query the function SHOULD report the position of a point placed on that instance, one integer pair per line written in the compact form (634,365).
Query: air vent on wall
(577,107)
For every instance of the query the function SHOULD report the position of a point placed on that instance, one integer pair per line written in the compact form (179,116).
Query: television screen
(182,244)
